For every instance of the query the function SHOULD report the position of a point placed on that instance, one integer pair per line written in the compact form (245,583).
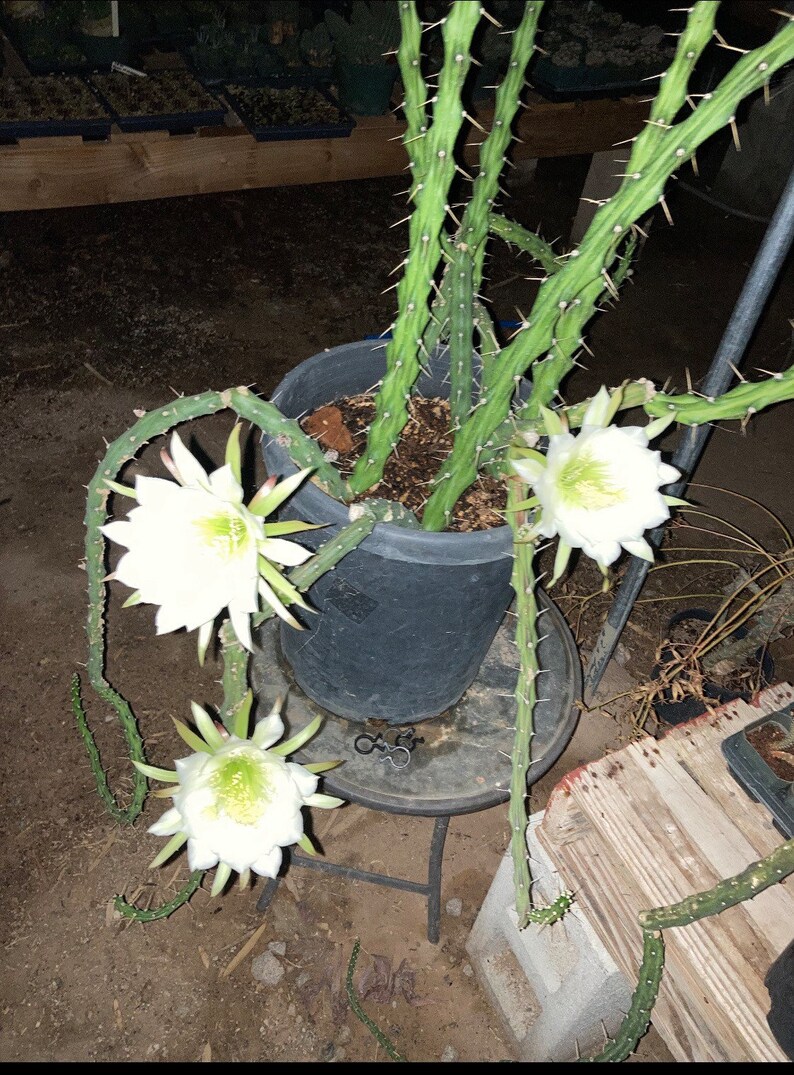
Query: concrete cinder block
(556,987)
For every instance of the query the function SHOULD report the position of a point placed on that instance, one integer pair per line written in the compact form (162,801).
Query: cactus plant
(440,304)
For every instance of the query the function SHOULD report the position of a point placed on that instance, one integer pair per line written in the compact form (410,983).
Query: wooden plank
(653,823)
(229,158)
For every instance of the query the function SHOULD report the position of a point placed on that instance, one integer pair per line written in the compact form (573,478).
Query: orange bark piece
(326,426)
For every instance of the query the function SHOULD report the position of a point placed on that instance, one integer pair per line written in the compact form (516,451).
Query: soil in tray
(168,94)
(766,740)
(47,98)
(426,441)
(290,106)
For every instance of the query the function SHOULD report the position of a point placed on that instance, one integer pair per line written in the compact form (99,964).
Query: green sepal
(222,874)
(289,746)
(560,561)
(305,844)
(290,526)
(168,775)
(525,505)
(124,490)
(133,599)
(317,767)
(206,726)
(552,422)
(233,453)
(676,501)
(194,741)
(242,716)
(281,585)
(166,852)
(265,505)
(658,425)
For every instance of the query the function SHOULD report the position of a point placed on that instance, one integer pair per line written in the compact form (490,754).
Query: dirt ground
(107,310)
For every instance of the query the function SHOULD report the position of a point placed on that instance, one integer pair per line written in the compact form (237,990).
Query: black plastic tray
(174,122)
(55,128)
(284,132)
(569,83)
(94,127)
(752,772)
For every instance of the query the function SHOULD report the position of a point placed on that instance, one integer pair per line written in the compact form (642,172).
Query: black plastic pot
(407,618)
(678,712)
(750,769)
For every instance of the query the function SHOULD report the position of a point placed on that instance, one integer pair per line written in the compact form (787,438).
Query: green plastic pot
(364,89)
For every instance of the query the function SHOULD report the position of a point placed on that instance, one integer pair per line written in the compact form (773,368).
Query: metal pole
(757,287)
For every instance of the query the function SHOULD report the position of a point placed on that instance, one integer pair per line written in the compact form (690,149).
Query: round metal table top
(461,760)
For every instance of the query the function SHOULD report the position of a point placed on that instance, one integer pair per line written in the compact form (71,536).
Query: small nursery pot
(406,619)
(672,712)
(366,89)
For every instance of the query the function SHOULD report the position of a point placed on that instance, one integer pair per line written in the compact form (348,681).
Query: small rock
(341,1054)
(468,970)
(343,1037)
(454,907)
(267,969)
(278,948)
(449,1056)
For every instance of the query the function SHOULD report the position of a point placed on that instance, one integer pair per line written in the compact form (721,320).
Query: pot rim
(388,539)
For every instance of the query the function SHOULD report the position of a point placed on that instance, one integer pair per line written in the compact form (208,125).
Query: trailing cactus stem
(325,559)
(523,582)
(359,1012)
(138,914)
(638,1017)
(302,450)
(742,886)
(427,221)
(740,402)
(153,424)
(235,675)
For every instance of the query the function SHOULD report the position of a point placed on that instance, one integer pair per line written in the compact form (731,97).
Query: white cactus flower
(238,801)
(599,490)
(195,549)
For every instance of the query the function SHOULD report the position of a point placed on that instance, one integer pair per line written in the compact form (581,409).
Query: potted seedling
(288,112)
(99,35)
(365,46)
(171,100)
(50,105)
(317,50)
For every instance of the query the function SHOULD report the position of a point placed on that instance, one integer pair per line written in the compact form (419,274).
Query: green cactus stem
(409,58)
(638,1017)
(302,450)
(427,220)
(473,230)
(759,875)
(741,402)
(461,372)
(138,914)
(568,298)
(557,909)
(527,241)
(235,675)
(325,559)
(523,582)
(359,1012)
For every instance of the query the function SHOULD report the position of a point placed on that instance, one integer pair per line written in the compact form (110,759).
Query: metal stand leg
(268,892)
(434,879)
(431,891)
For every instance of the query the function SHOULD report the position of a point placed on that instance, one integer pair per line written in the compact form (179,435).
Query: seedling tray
(752,772)
(12,128)
(175,122)
(567,83)
(280,132)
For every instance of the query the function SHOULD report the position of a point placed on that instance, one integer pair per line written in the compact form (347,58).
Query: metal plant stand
(457,763)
